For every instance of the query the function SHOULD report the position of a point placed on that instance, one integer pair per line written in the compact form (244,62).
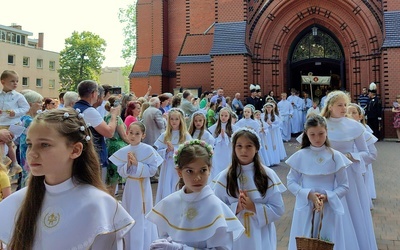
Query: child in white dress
(136,163)
(347,136)
(175,134)
(198,128)
(222,131)
(65,205)
(355,112)
(252,191)
(318,179)
(193,217)
(273,123)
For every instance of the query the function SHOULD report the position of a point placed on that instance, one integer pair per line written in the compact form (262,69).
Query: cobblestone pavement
(386,212)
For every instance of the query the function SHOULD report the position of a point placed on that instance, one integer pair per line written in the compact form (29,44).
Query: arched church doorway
(316,62)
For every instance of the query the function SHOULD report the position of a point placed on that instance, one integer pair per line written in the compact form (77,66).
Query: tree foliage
(127,16)
(81,59)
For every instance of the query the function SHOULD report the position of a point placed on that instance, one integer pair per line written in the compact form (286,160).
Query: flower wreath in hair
(358,107)
(331,95)
(251,106)
(199,112)
(251,130)
(192,142)
(179,110)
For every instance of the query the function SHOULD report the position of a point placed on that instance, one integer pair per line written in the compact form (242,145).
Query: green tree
(81,59)
(127,16)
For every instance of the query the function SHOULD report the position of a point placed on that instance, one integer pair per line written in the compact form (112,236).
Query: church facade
(278,44)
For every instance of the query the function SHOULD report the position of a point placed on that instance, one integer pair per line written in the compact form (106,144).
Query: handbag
(304,243)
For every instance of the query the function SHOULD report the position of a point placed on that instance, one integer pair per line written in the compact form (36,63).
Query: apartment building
(36,67)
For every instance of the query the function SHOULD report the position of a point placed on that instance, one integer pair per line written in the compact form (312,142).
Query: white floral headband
(178,152)
(250,130)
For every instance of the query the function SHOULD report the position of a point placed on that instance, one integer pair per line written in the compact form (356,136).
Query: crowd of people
(212,157)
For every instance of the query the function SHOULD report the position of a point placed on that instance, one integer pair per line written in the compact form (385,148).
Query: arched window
(316,44)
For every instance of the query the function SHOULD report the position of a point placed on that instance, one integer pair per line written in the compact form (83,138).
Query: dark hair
(260,177)
(85,170)
(313,120)
(272,112)
(163,97)
(176,102)
(111,102)
(190,153)
(140,125)
(107,89)
(186,93)
(87,87)
(61,95)
(46,102)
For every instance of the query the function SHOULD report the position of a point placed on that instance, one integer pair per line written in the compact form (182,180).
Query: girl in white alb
(222,131)
(249,122)
(252,191)
(318,179)
(355,112)
(198,128)
(65,204)
(347,136)
(136,163)
(276,150)
(193,217)
(175,134)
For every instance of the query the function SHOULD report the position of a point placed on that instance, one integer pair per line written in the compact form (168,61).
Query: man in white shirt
(88,91)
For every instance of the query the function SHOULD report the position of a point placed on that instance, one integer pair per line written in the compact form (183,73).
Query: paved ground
(386,210)
(386,213)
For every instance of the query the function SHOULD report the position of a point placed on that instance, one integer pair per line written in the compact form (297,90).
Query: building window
(39,63)
(39,82)
(317,44)
(25,81)
(3,36)
(52,65)
(11,59)
(18,39)
(52,84)
(25,61)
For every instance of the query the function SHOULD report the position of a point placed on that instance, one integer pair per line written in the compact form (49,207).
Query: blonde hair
(182,126)
(331,99)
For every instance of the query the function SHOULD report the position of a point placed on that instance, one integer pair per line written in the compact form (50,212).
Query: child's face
(339,108)
(317,135)
(10,83)
(135,135)
(224,116)
(245,150)
(314,104)
(195,175)
(352,112)
(257,116)
(198,121)
(174,121)
(268,109)
(49,154)
(283,96)
(247,112)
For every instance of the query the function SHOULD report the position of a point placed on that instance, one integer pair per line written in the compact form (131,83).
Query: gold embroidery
(192,229)
(141,179)
(51,220)
(191,213)
(246,223)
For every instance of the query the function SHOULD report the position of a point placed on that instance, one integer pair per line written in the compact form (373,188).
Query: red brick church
(278,44)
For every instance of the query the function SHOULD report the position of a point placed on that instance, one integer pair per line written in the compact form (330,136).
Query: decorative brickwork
(231,44)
